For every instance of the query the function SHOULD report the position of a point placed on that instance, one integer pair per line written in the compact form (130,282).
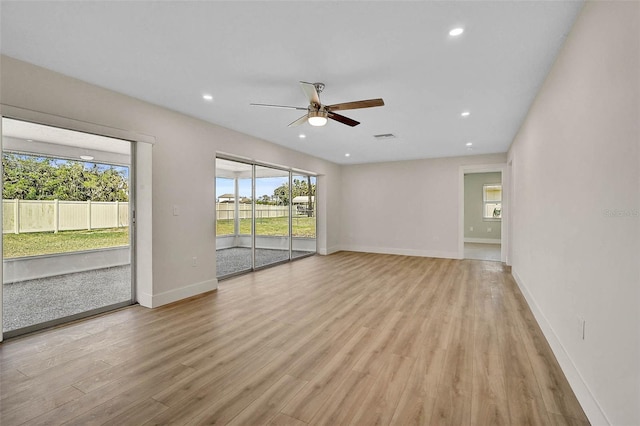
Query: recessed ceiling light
(456,31)
(207,97)
(86,157)
(302,136)
(465,114)
(469,143)
(29,140)
(347,155)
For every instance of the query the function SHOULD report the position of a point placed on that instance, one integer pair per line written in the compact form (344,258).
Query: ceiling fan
(318,114)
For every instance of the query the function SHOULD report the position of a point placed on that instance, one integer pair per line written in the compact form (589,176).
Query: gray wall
(473,207)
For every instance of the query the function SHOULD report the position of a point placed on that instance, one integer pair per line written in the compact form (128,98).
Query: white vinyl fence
(21,216)
(226,211)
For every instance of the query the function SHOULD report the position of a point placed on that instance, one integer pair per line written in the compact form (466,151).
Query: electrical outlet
(194,261)
(176,211)
(488,229)
(471,228)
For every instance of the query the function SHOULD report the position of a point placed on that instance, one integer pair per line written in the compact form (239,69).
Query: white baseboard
(144,299)
(179,293)
(329,250)
(483,240)
(587,400)
(403,252)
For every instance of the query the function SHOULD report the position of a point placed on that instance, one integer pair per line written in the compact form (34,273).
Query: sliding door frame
(291,172)
(53,121)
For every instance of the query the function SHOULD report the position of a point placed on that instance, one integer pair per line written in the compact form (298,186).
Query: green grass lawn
(36,243)
(273,226)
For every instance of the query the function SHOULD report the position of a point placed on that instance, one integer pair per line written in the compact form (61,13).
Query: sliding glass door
(264,216)
(234,213)
(303,218)
(66,227)
(272,220)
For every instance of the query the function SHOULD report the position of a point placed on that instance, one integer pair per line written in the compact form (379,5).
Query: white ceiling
(31,132)
(171,52)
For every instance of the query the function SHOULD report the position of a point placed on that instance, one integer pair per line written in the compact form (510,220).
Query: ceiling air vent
(384,136)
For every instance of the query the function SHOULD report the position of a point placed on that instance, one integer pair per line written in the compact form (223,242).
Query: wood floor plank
(311,398)
(135,414)
(417,401)
(523,393)
(559,420)
(372,360)
(124,391)
(350,338)
(453,402)
(284,420)
(51,380)
(381,401)
(489,395)
(268,405)
(343,403)
(217,376)
(306,361)
(39,405)
(240,394)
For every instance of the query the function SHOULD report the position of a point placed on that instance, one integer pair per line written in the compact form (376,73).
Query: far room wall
(406,207)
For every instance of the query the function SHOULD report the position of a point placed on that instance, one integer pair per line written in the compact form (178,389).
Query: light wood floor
(482,251)
(350,338)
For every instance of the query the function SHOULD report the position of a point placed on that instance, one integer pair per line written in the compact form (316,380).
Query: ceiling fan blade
(356,104)
(299,121)
(342,119)
(310,91)
(280,106)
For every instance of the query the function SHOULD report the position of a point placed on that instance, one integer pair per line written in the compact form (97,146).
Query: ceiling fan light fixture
(317,118)
(317,114)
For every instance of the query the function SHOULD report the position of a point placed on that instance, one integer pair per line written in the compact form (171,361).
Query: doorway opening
(482,223)
(66,224)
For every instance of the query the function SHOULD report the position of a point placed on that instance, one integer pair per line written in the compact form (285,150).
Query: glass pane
(225,207)
(66,242)
(303,221)
(233,217)
(272,217)
(492,192)
(493,210)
